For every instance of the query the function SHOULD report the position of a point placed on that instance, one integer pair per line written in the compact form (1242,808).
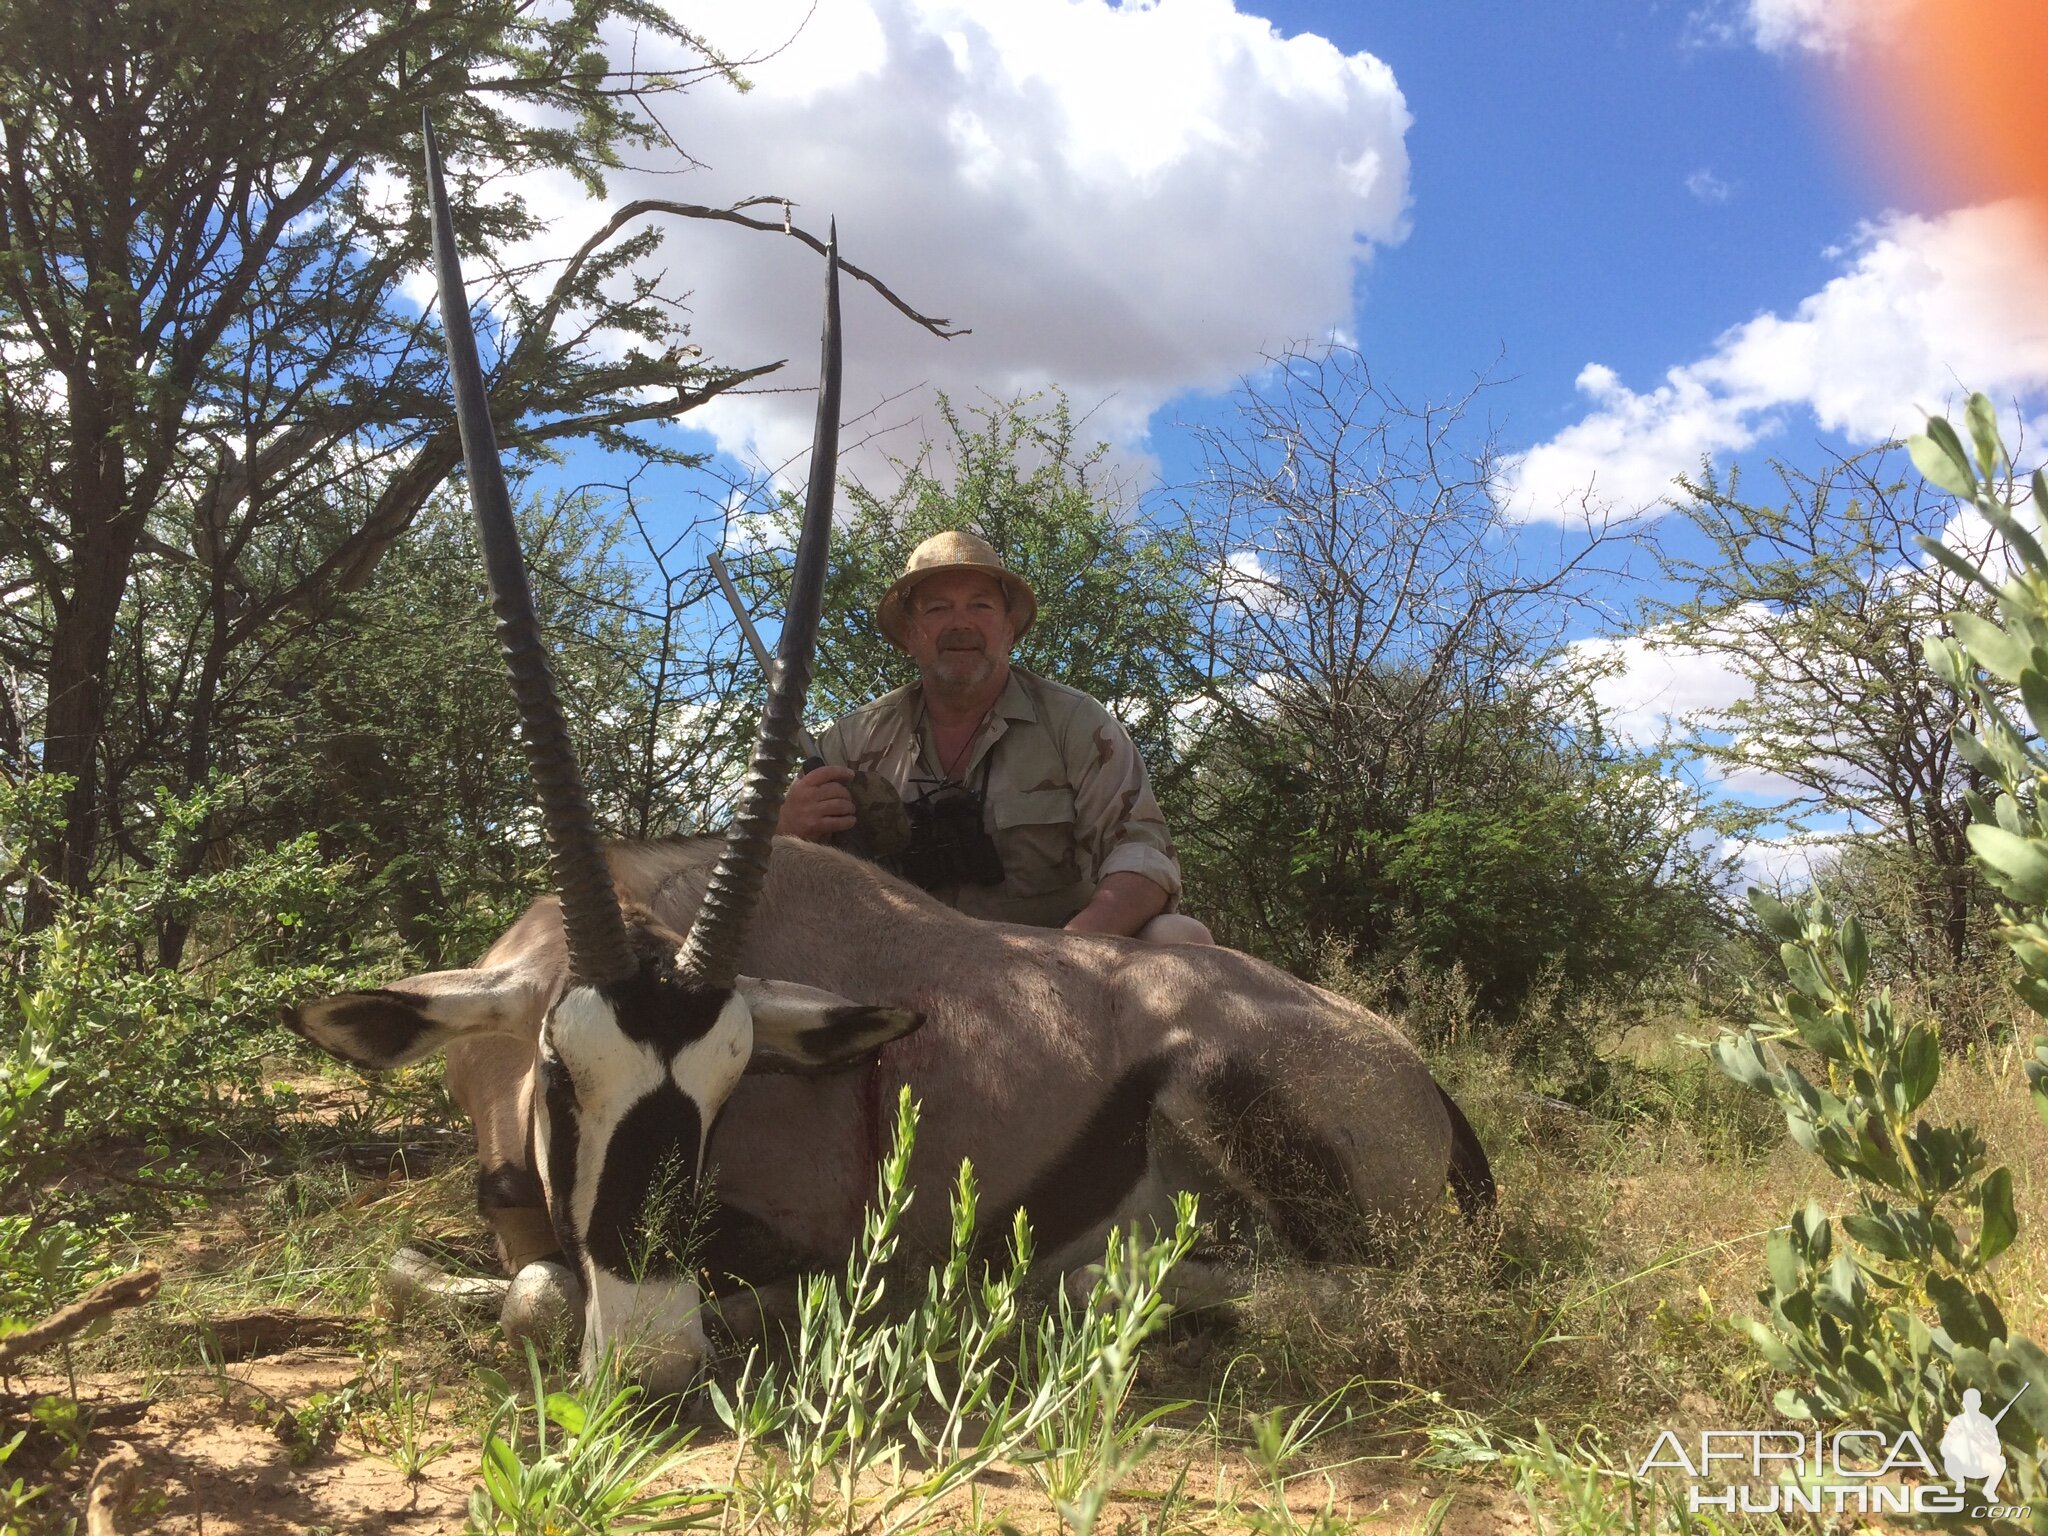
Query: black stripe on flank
(649,1177)
(564,1138)
(1082,1187)
(509,1186)
(1295,1171)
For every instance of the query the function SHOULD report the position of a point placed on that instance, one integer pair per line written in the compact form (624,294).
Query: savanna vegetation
(1761,1163)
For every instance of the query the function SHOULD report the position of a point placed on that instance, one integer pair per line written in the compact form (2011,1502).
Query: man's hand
(1125,902)
(818,805)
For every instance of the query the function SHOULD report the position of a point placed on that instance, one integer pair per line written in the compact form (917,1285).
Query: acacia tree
(208,370)
(1819,601)
(1394,753)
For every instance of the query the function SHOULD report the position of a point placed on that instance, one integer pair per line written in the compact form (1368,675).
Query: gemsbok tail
(1471,1175)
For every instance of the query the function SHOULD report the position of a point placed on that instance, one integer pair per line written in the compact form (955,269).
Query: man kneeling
(1025,800)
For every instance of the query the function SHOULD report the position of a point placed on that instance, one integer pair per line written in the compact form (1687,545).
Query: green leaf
(1855,945)
(2034,694)
(1991,647)
(2024,1359)
(495,1386)
(1999,1224)
(1782,1261)
(1805,973)
(1779,920)
(1877,1234)
(1982,418)
(1962,1311)
(1794,1404)
(1957,563)
(1741,1057)
(2016,866)
(2021,542)
(1940,458)
(566,1413)
(1919,1066)
(1862,1369)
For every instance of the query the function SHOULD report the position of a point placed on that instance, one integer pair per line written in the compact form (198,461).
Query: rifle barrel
(805,740)
(2008,1407)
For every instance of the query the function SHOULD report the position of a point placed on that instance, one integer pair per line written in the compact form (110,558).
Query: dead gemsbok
(637,1035)
(1088,1079)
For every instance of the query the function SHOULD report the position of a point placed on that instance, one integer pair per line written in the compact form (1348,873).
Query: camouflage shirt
(1067,797)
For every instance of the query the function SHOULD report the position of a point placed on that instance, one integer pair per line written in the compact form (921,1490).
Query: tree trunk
(104,533)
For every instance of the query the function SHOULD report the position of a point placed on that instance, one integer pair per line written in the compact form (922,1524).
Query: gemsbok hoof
(413,1280)
(544,1304)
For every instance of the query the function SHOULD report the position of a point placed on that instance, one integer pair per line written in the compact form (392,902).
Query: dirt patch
(213,1463)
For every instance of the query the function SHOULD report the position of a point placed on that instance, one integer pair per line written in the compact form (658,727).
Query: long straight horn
(712,952)
(598,949)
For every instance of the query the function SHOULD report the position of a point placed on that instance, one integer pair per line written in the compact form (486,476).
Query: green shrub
(946,1389)
(1889,1325)
(100,1047)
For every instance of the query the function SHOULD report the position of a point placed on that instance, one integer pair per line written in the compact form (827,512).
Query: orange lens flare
(1955,95)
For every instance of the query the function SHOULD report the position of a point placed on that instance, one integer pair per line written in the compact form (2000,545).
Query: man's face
(960,628)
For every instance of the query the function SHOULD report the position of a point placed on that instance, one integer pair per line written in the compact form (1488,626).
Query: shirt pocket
(1035,835)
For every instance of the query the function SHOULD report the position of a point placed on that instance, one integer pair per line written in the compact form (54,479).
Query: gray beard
(962,671)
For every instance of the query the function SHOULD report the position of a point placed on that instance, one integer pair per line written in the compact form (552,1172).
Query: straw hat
(952,551)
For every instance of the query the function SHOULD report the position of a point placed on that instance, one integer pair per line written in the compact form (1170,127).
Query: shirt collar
(1015,701)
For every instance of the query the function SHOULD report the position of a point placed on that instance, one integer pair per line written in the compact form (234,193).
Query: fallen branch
(106,1413)
(104,1299)
(113,1480)
(271,1331)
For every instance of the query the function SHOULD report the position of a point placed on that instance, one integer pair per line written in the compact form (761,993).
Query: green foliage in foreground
(935,1396)
(879,1411)
(1892,1323)
(589,1463)
(85,1018)
(2009,831)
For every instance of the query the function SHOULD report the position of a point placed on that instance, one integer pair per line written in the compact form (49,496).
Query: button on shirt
(1067,800)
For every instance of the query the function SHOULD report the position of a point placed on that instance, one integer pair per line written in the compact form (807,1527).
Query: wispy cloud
(1831,27)
(1704,185)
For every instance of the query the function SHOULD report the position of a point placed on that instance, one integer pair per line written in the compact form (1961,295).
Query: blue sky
(1551,216)
(1642,220)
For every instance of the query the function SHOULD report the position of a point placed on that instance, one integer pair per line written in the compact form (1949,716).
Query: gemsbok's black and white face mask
(629,1078)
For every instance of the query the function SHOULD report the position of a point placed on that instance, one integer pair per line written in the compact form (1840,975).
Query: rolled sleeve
(1118,825)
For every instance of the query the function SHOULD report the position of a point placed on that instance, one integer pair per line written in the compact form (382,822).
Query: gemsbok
(613,1040)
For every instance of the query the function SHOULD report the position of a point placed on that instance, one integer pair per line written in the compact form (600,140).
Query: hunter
(1023,800)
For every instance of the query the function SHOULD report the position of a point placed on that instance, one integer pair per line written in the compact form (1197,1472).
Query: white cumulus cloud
(1925,308)
(1648,686)
(1128,200)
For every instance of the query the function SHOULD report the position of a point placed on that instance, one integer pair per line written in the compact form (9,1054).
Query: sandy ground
(211,1464)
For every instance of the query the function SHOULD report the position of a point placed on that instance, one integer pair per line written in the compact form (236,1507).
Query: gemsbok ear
(409,1020)
(806,1029)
